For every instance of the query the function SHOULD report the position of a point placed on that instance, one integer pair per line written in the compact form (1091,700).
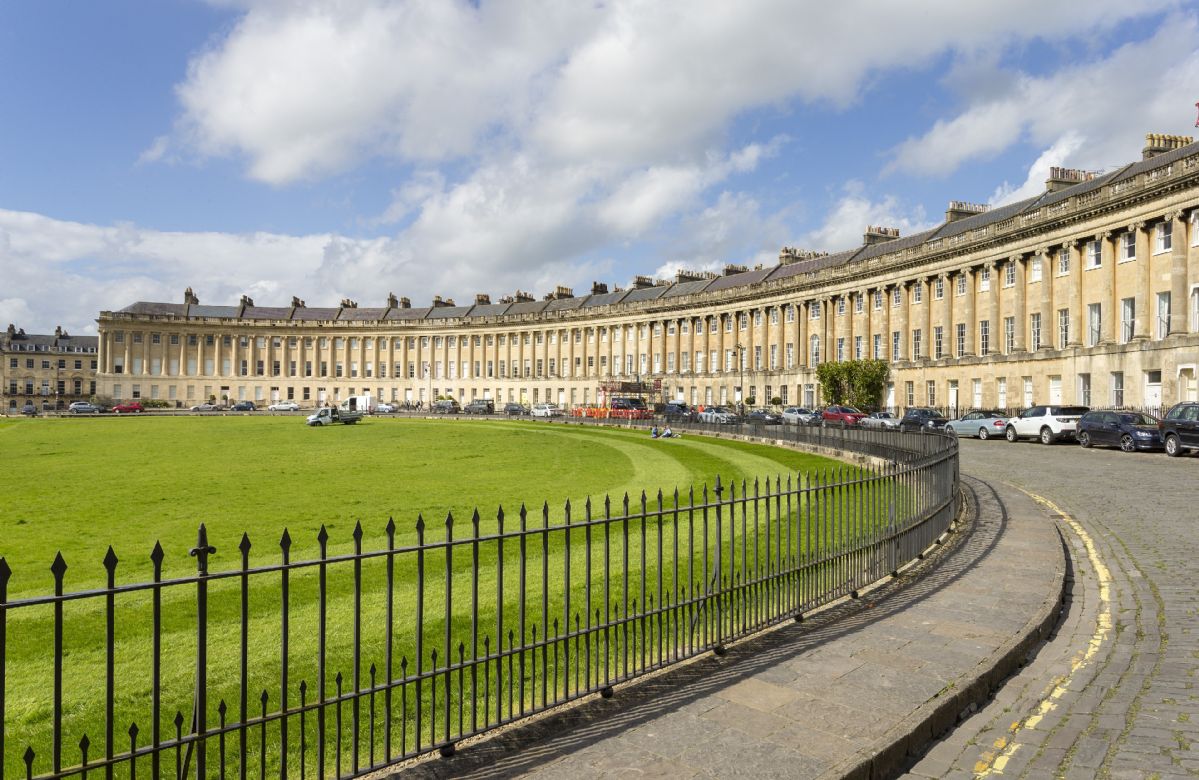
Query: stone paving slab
(850,692)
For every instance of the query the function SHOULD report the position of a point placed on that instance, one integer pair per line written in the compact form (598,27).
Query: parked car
(1130,431)
(922,419)
(129,407)
(1179,429)
(513,409)
(546,410)
(284,406)
(207,407)
(983,423)
(384,408)
(763,417)
(29,409)
(677,411)
(244,406)
(84,407)
(717,415)
(842,415)
(479,406)
(880,420)
(446,406)
(798,415)
(1046,424)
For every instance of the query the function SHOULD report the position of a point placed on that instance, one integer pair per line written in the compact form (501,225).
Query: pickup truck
(329,416)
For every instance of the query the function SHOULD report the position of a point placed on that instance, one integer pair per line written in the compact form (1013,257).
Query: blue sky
(353,148)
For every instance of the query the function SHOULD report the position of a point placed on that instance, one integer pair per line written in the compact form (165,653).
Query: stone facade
(49,371)
(1087,293)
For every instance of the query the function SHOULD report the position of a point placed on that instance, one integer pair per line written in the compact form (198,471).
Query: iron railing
(353,660)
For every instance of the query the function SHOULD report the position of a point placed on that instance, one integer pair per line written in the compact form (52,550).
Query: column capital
(1135,226)
(1175,215)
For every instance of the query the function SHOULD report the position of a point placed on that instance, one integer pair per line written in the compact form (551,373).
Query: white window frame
(1094,255)
(1128,319)
(1094,323)
(1128,246)
(1163,237)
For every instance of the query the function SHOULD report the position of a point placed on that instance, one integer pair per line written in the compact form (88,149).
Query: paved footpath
(1113,694)
(849,692)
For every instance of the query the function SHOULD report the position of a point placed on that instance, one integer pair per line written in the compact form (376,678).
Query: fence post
(714,584)
(5,573)
(200,719)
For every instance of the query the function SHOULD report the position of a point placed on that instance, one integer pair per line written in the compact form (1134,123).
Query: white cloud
(1142,86)
(845,224)
(1056,155)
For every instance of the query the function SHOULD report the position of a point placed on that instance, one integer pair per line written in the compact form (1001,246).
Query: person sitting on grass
(653,432)
(668,434)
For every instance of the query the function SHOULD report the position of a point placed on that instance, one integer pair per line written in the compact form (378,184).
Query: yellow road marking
(993,762)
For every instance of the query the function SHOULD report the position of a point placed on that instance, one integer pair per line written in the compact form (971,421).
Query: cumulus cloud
(546,134)
(1057,155)
(1142,86)
(854,211)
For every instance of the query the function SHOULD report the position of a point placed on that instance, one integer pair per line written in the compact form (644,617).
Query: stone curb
(891,755)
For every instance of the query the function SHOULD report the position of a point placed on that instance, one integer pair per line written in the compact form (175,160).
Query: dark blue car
(1130,431)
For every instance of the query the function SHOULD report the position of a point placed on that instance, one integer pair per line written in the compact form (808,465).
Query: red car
(842,415)
(131,407)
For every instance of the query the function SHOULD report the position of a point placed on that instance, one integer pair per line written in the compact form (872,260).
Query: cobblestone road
(1113,693)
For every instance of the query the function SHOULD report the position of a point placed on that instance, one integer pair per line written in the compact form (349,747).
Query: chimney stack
(482,299)
(598,288)
(960,209)
(1160,143)
(1061,178)
(879,235)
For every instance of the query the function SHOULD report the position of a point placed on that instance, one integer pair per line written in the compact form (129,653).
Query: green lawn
(76,486)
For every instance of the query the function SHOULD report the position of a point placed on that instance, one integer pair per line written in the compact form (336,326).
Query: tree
(857,383)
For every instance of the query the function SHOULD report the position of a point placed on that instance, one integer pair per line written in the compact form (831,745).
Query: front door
(1055,390)
(1153,389)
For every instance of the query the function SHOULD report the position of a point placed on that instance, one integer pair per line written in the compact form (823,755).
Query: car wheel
(1127,444)
(1010,434)
(1046,436)
(1084,439)
(984,434)
(1173,448)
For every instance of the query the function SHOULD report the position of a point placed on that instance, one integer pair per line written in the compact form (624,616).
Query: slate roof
(564,304)
(604,299)
(489,309)
(644,294)
(527,307)
(448,312)
(315,314)
(406,314)
(267,313)
(369,314)
(687,288)
(740,279)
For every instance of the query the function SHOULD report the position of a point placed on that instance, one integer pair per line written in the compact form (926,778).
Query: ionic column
(1020,303)
(1109,300)
(1141,302)
(1178,273)
(1048,321)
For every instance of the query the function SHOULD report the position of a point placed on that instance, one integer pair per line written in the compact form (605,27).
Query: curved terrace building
(1087,293)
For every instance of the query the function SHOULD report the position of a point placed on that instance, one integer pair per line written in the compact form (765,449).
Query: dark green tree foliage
(857,383)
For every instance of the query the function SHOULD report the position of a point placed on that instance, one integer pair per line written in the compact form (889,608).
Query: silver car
(884,420)
(798,415)
(983,423)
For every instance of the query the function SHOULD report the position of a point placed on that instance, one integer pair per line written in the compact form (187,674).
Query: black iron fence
(353,660)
